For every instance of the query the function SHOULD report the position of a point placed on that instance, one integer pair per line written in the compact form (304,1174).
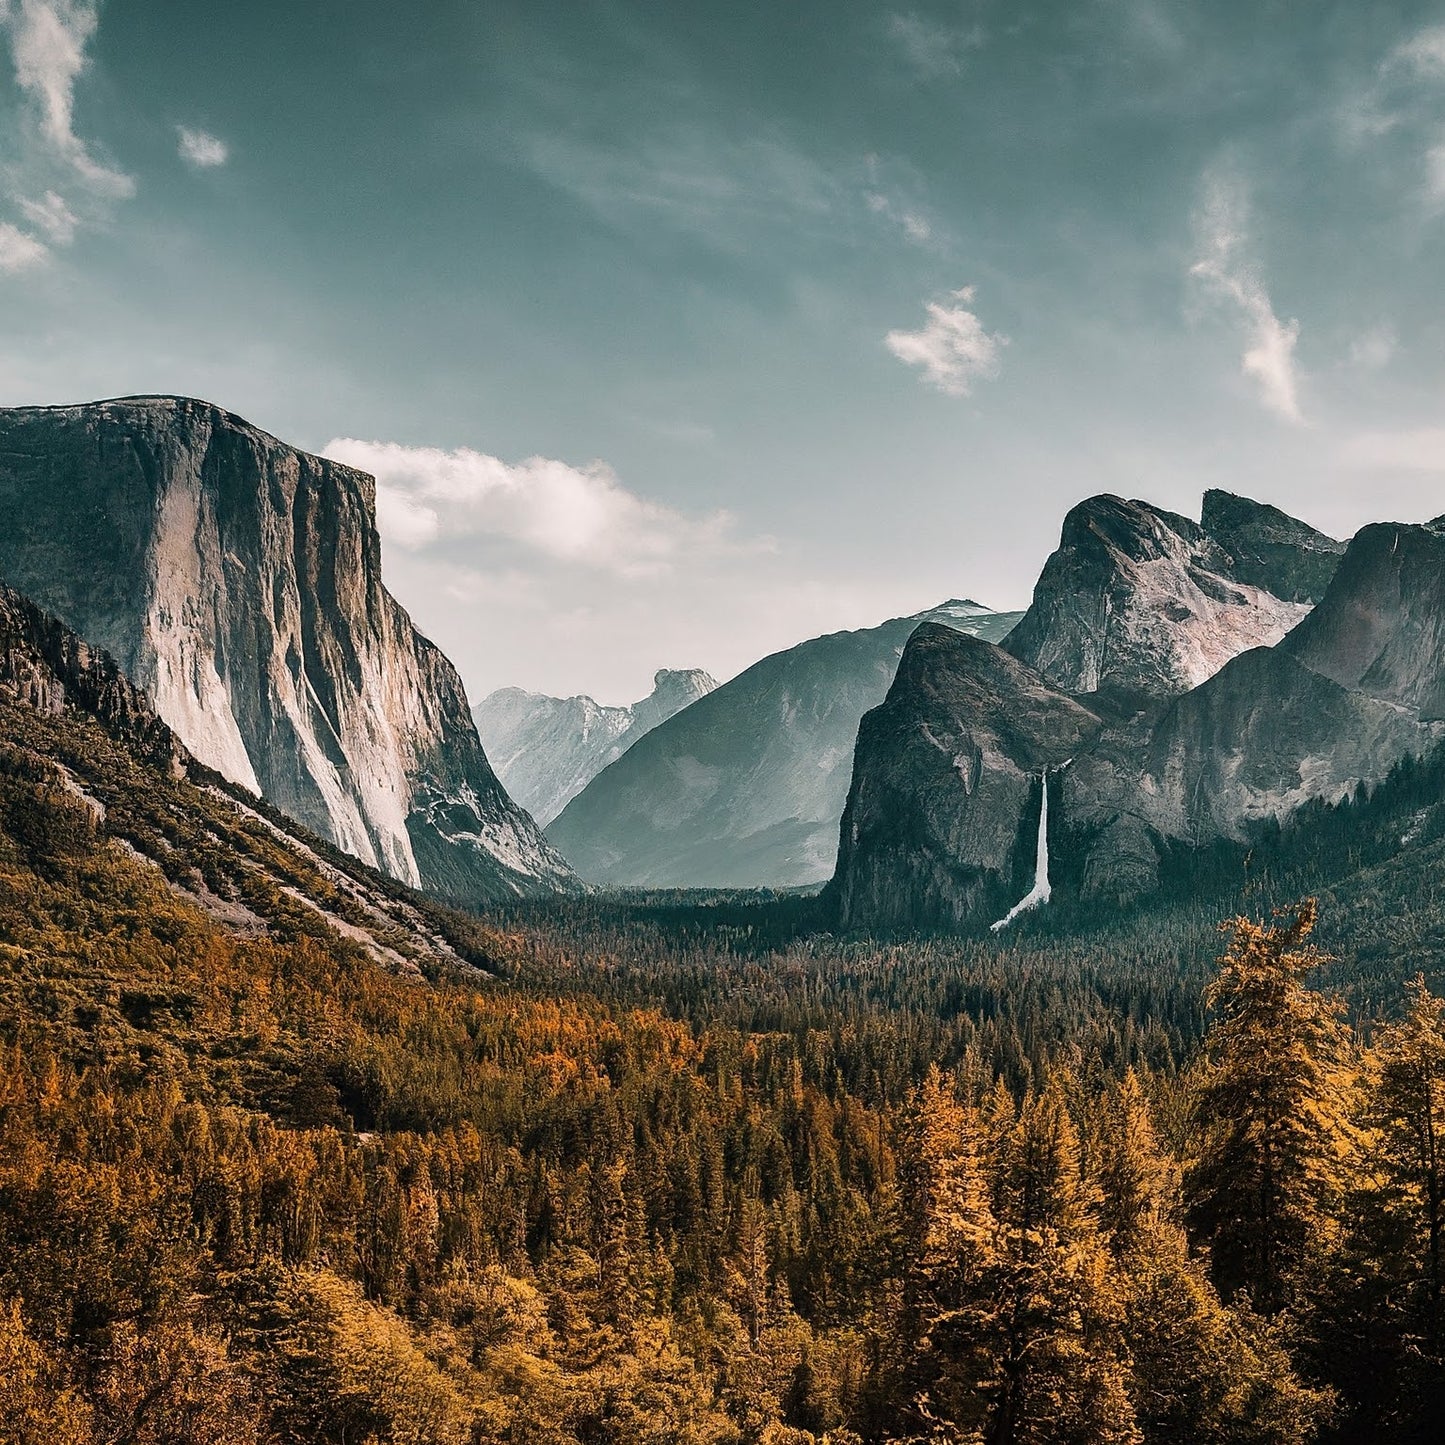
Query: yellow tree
(1264,1185)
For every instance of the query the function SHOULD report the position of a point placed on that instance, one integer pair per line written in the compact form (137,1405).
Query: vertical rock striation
(237,581)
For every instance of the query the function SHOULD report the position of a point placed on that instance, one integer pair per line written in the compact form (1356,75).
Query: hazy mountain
(237,581)
(1158,687)
(746,786)
(547,749)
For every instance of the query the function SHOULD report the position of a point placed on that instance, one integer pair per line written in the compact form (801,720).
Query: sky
(675,334)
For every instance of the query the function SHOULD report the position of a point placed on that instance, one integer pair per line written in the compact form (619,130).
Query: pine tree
(1269,1113)
(948,1320)
(1063,1377)
(1407,1105)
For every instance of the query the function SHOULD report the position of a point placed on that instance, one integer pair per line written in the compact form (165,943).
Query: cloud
(933,49)
(1373,349)
(542,508)
(1423,53)
(52,215)
(201,149)
(18,250)
(48,39)
(953,348)
(913,225)
(1226,274)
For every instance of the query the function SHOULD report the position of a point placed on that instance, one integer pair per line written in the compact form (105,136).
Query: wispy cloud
(546,508)
(934,49)
(952,348)
(51,215)
(19,251)
(913,224)
(721,190)
(1423,53)
(48,40)
(200,148)
(1225,272)
(1402,98)
(1374,348)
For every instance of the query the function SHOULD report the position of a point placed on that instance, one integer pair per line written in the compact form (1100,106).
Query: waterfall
(1041,891)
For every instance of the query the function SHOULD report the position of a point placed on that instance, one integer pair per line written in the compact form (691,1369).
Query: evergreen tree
(1269,1117)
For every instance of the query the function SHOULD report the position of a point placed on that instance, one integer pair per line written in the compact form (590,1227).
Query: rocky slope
(547,749)
(237,581)
(746,786)
(90,776)
(1217,702)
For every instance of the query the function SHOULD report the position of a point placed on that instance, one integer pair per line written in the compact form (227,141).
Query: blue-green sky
(679,332)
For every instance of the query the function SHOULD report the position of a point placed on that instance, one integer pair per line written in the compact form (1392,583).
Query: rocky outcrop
(1269,548)
(1134,606)
(45,666)
(747,785)
(947,790)
(1380,628)
(1140,600)
(547,749)
(237,581)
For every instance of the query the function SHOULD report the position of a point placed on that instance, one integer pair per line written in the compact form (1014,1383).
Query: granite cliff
(237,582)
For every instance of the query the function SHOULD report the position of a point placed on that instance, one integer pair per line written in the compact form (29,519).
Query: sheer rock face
(1270,549)
(1172,759)
(1139,600)
(45,666)
(547,749)
(947,775)
(237,581)
(746,786)
(1381,629)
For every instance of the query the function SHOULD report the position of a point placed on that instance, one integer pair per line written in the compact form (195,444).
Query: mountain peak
(547,749)
(1269,548)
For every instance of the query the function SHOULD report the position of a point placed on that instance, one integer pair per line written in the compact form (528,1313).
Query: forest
(643,1171)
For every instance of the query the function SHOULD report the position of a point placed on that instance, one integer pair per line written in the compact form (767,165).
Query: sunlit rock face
(237,581)
(1139,600)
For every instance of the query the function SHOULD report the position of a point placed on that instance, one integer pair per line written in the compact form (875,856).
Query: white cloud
(933,49)
(48,39)
(1230,277)
(1424,53)
(541,507)
(52,215)
(18,250)
(201,149)
(952,347)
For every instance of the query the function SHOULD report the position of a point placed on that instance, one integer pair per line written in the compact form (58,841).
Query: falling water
(1040,892)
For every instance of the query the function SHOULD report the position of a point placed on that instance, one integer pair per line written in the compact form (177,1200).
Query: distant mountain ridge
(746,786)
(237,582)
(547,749)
